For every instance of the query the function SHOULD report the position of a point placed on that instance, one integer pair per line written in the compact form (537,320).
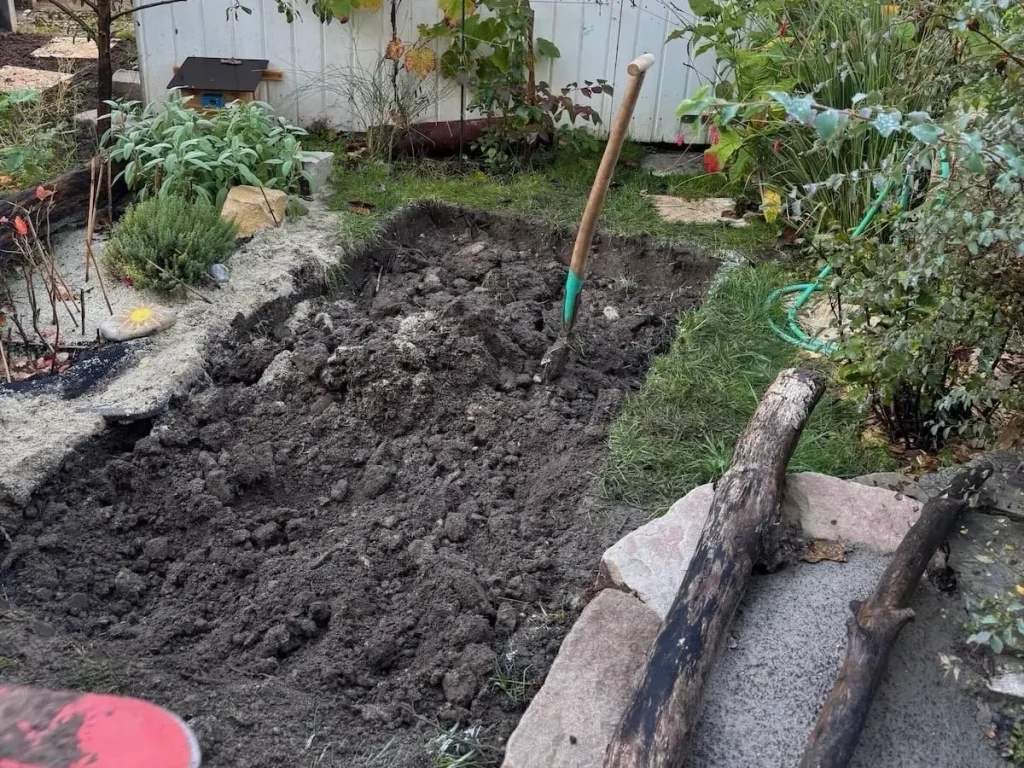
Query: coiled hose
(792,332)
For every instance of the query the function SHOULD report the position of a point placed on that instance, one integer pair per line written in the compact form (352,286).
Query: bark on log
(70,207)
(876,622)
(741,531)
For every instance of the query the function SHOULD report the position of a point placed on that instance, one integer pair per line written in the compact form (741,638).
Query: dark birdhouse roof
(205,74)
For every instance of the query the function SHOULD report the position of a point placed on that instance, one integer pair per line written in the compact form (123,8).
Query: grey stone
(318,165)
(830,508)
(572,718)
(1003,493)
(1009,684)
(127,85)
(666,163)
(651,561)
(896,482)
(136,322)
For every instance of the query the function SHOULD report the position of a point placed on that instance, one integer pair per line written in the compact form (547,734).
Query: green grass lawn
(556,192)
(679,429)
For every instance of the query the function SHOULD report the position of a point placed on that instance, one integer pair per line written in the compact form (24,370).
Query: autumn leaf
(20,226)
(395,49)
(817,550)
(452,10)
(420,61)
(42,192)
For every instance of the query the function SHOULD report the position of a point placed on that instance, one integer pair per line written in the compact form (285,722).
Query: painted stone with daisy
(136,322)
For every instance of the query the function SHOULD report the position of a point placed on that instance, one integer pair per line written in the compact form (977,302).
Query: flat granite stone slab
(572,718)
(650,561)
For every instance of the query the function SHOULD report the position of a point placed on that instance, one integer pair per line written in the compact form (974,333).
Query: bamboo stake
(88,218)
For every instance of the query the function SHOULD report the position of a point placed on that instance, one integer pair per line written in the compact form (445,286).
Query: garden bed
(373,523)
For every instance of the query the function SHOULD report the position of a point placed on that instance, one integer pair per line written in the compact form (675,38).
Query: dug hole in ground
(366,510)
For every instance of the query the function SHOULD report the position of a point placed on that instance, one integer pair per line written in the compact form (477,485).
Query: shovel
(67,729)
(555,359)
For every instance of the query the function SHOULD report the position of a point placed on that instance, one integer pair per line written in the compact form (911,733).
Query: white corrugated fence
(596,38)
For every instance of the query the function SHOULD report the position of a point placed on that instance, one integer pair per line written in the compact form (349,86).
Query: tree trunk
(104,66)
(741,531)
(875,624)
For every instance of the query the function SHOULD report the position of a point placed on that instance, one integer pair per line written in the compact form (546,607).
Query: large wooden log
(741,531)
(876,622)
(70,207)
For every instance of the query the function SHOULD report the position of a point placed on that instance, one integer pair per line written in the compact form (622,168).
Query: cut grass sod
(677,432)
(556,193)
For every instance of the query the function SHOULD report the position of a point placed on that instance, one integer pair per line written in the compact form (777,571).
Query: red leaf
(20,226)
(42,192)
(710,162)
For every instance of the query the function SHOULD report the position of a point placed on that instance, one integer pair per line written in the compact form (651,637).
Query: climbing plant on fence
(934,298)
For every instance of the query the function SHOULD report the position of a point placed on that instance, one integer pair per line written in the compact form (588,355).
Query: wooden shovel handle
(636,69)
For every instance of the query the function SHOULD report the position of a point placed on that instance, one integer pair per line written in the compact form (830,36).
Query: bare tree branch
(74,17)
(130,11)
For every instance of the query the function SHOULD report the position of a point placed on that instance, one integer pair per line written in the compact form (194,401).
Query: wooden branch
(741,531)
(129,11)
(70,201)
(89,31)
(876,622)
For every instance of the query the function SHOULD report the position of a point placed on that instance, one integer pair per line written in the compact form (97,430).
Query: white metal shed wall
(596,38)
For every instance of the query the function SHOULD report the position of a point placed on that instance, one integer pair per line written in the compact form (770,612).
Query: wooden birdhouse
(214,83)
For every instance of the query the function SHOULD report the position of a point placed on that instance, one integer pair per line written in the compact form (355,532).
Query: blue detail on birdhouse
(213,101)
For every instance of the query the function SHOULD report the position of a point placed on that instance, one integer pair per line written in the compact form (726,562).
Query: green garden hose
(792,333)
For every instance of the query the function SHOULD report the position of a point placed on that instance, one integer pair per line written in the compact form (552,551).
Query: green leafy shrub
(34,146)
(934,295)
(180,152)
(494,54)
(165,240)
(837,53)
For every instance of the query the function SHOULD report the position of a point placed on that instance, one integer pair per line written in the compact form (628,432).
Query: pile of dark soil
(16,51)
(369,513)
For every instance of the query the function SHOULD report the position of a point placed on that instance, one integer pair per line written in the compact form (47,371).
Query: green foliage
(829,53)
(1015,748)
(999,624)
(33,146)
(494,55)
(165,240)
(178,151)
(679,430)
(933,293)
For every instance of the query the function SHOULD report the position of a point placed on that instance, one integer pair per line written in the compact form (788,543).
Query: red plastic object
(68,729)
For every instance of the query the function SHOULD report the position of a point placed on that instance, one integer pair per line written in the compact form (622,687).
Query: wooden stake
(741,530)
(88,218)
(876,622)
(3,359)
